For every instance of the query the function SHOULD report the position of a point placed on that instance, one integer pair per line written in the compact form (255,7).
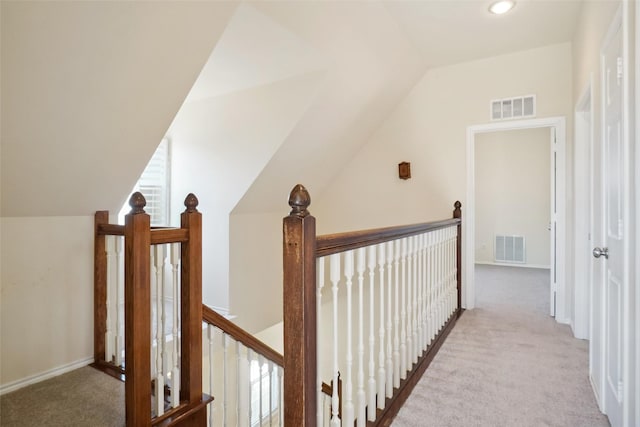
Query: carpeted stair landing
(506,363)
(81,398)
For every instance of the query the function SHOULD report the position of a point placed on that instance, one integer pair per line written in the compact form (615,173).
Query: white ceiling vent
(513,108)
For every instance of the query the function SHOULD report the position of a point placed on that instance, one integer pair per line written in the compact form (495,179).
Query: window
(154,186)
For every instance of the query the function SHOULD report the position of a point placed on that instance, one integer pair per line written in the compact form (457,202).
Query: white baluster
(260,364)
(239,387)
(348,410)
(211,335)
(158,261)
(249,394)
(381,359)
(440,281)
(417,325)
(112,309)
(319,286)
(412,330)
(119,302)
(281,397)
(225,380)
(389,361)
(403,313)
(362,399)
(371,396)
(270,365)
(417,270)
(430,262)
(419,284)
(175,283)
(334,262)
(425,269)
(396,316)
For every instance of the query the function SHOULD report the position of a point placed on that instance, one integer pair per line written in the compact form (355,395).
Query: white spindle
(403,313)
(381,359)
(281,397)
(119,302)
(371,389)
(362,399)
(158,261)
(440,281)
(319,286)
(249,391)
(112,309)
(396,316)
(334,261)
(432,286)
(389,361)
(410,301)
(423,290)
(348,410)
(260,365)
(175,370)
(270,367)
(419,282)
(211,335)
(414,301)
(225,380)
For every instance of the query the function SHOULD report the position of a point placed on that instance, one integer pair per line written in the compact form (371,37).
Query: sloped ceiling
(88,91)
(90,88)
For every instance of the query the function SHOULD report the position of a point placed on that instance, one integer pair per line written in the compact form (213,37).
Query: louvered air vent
(510,249)
(513,108)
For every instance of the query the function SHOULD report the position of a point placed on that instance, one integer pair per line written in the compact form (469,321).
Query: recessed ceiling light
(502,6)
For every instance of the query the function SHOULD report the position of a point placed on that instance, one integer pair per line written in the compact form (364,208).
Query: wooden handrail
(240,335)
(110,229)
(329,244)
(301,248)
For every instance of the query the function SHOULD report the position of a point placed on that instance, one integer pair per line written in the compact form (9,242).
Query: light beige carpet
(506,363)
(81,398)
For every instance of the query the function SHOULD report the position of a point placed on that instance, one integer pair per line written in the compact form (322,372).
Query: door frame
(583,201)
(557,123)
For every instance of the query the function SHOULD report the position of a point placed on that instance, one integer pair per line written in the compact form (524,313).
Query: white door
(611,238)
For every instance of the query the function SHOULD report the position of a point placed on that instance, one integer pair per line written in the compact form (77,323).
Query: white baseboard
(15,385)
(505,264)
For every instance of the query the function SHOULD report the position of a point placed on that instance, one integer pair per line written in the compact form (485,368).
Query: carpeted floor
(506,363)
(81,398)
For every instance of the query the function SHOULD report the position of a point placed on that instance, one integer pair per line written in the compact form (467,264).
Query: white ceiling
(269,41)
(452,31)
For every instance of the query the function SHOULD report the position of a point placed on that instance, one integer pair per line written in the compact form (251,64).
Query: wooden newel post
(300,346)
(99,288)
(457,213)
(191,307)
(137,314)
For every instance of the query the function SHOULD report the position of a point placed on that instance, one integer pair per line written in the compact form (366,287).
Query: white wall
(513,192)
(47,295)
(428,129)
(219,146)
(88,90)
(256,269)
(90,87)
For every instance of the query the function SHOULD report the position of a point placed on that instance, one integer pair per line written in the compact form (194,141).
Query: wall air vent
(513,108)
(510,249)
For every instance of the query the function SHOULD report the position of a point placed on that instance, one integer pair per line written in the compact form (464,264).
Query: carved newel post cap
(457,204)
(191,202)
(137,203)
(299,200)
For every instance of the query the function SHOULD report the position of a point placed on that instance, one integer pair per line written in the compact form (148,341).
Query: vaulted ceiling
(89,88)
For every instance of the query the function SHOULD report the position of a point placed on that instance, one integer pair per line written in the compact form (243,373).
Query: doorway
(557,135)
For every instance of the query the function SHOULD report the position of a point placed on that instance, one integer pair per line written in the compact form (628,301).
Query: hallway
(506,363)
